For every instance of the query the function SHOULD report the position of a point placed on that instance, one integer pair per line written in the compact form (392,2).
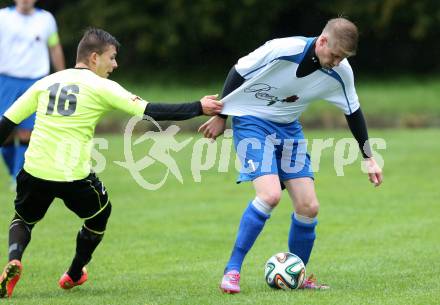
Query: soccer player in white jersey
(28,37)
(266,92)
(69,104)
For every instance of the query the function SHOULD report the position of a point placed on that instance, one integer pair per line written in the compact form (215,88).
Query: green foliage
(419,19)
(395,34)
(169,31)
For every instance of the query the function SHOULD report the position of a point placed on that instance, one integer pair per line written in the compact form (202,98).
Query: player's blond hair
(342,33)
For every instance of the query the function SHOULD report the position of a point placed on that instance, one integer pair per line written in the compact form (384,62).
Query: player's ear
(93,58)
(322,41)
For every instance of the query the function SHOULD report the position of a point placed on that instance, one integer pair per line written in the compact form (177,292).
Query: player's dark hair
(94,40)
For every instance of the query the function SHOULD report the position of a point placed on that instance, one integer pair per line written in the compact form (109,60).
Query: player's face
(106,62)
(329,55)
(25,6)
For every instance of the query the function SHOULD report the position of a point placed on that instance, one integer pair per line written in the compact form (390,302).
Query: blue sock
(251,224)
(19,158)
(301,238)
(8,153)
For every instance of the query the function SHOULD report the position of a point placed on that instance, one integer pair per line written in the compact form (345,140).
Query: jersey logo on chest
(262,92)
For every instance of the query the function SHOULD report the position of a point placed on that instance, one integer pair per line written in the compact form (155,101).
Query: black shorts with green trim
(86,197)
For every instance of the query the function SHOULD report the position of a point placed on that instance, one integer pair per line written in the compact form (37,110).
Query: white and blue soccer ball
(285,271)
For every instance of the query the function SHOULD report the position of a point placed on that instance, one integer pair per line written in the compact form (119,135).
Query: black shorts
(85,197)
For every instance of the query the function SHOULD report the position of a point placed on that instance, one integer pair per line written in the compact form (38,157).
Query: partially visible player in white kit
(28,37)
(266,92)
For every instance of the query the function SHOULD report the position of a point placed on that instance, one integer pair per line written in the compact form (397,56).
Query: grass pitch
(374,245)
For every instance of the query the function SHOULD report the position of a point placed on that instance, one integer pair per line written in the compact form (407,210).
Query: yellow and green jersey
(69,105)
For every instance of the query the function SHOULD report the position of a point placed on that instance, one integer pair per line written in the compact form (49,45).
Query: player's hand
(214,127)
(374,171)
(210,105)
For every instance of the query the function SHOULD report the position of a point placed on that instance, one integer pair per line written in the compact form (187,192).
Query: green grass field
(374,245)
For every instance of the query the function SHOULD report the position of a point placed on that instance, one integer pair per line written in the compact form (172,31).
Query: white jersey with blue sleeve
(273,92)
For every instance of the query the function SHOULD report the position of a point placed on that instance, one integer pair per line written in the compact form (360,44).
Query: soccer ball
(285,271)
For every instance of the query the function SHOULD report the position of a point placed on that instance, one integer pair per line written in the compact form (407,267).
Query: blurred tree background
(397,36)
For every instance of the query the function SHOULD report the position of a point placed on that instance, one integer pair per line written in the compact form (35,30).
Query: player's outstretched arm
(6,128)
(208,105)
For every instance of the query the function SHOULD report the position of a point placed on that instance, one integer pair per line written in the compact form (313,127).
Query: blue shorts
(266,148)
(11,88)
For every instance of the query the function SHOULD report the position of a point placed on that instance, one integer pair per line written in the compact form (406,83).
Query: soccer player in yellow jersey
(68,106)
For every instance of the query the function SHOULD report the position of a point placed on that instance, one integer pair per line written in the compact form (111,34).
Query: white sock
(262,206)
(304,219)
